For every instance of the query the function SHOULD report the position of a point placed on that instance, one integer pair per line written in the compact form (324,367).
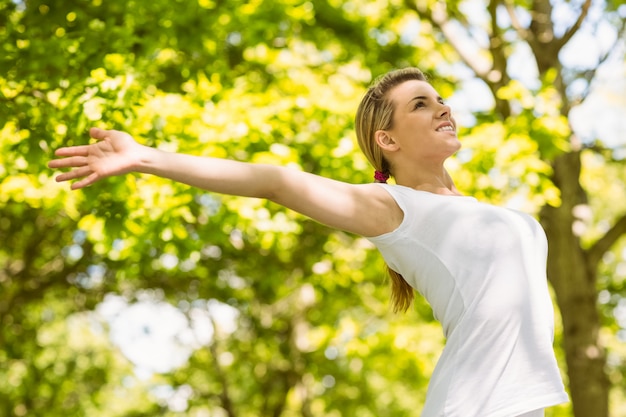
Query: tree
(277,82)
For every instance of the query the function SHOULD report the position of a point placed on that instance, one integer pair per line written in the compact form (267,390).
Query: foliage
(262,81)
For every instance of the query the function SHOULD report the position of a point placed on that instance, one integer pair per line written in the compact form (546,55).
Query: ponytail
(402,294)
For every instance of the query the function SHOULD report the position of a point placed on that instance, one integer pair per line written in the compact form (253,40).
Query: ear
(385,141)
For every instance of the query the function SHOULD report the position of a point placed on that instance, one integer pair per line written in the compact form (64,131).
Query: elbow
(270,182)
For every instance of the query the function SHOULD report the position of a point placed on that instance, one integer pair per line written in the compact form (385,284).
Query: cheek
(415,122)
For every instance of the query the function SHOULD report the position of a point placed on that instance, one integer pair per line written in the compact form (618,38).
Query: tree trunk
(574,283)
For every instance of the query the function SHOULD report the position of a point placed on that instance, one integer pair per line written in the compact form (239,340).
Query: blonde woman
(481,267)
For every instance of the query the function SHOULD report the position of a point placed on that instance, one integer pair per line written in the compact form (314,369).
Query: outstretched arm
(366,209)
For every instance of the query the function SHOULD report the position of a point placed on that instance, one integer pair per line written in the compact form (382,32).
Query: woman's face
(423,126)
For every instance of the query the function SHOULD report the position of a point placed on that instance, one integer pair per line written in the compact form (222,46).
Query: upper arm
(363,209)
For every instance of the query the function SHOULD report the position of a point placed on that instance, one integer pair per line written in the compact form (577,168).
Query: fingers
(89,177)
(71,162)
(85,182)
(76,157)
(73,174)
(81,150)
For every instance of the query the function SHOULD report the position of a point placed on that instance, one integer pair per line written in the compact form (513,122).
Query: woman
(482,268)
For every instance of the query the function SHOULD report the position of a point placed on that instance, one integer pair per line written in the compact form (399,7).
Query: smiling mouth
(445,129)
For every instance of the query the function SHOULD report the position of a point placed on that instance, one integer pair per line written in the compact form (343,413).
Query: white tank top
(483,270)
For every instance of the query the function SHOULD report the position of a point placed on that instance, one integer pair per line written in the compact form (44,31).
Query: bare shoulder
(381,211)
(363,209)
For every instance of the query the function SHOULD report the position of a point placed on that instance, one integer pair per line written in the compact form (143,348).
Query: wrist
(147,159)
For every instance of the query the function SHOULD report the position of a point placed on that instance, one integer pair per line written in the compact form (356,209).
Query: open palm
(114,153)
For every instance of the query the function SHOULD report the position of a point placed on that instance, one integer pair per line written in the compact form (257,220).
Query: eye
(419,104)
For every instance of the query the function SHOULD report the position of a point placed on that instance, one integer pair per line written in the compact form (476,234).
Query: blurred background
(140,297)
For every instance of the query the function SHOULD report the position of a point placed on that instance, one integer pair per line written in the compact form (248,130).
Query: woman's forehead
(411,89)
(405,94)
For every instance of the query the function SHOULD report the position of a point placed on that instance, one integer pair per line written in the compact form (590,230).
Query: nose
(445,112)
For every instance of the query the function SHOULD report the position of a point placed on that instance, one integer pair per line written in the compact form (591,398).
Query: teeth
(446,128)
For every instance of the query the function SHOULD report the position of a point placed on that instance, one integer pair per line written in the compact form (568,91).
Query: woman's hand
(114,153)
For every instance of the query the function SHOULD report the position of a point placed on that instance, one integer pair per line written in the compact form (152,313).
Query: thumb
(97,133)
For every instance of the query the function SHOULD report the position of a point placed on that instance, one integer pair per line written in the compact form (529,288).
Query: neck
(433,179)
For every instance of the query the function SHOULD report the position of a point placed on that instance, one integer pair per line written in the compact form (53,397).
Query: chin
(457,144)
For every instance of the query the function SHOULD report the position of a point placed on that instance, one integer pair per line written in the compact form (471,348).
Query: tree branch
(584,10)
(589,74)
(224,396)
(515,23)
(495,40)
(608,154)
(595,253)
(438,16)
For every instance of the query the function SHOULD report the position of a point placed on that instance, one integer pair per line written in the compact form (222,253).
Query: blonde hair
(375,112)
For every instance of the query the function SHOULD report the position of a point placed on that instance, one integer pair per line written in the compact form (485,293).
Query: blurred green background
(140,297)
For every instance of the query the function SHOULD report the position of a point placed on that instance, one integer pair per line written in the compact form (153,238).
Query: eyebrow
(438,98)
